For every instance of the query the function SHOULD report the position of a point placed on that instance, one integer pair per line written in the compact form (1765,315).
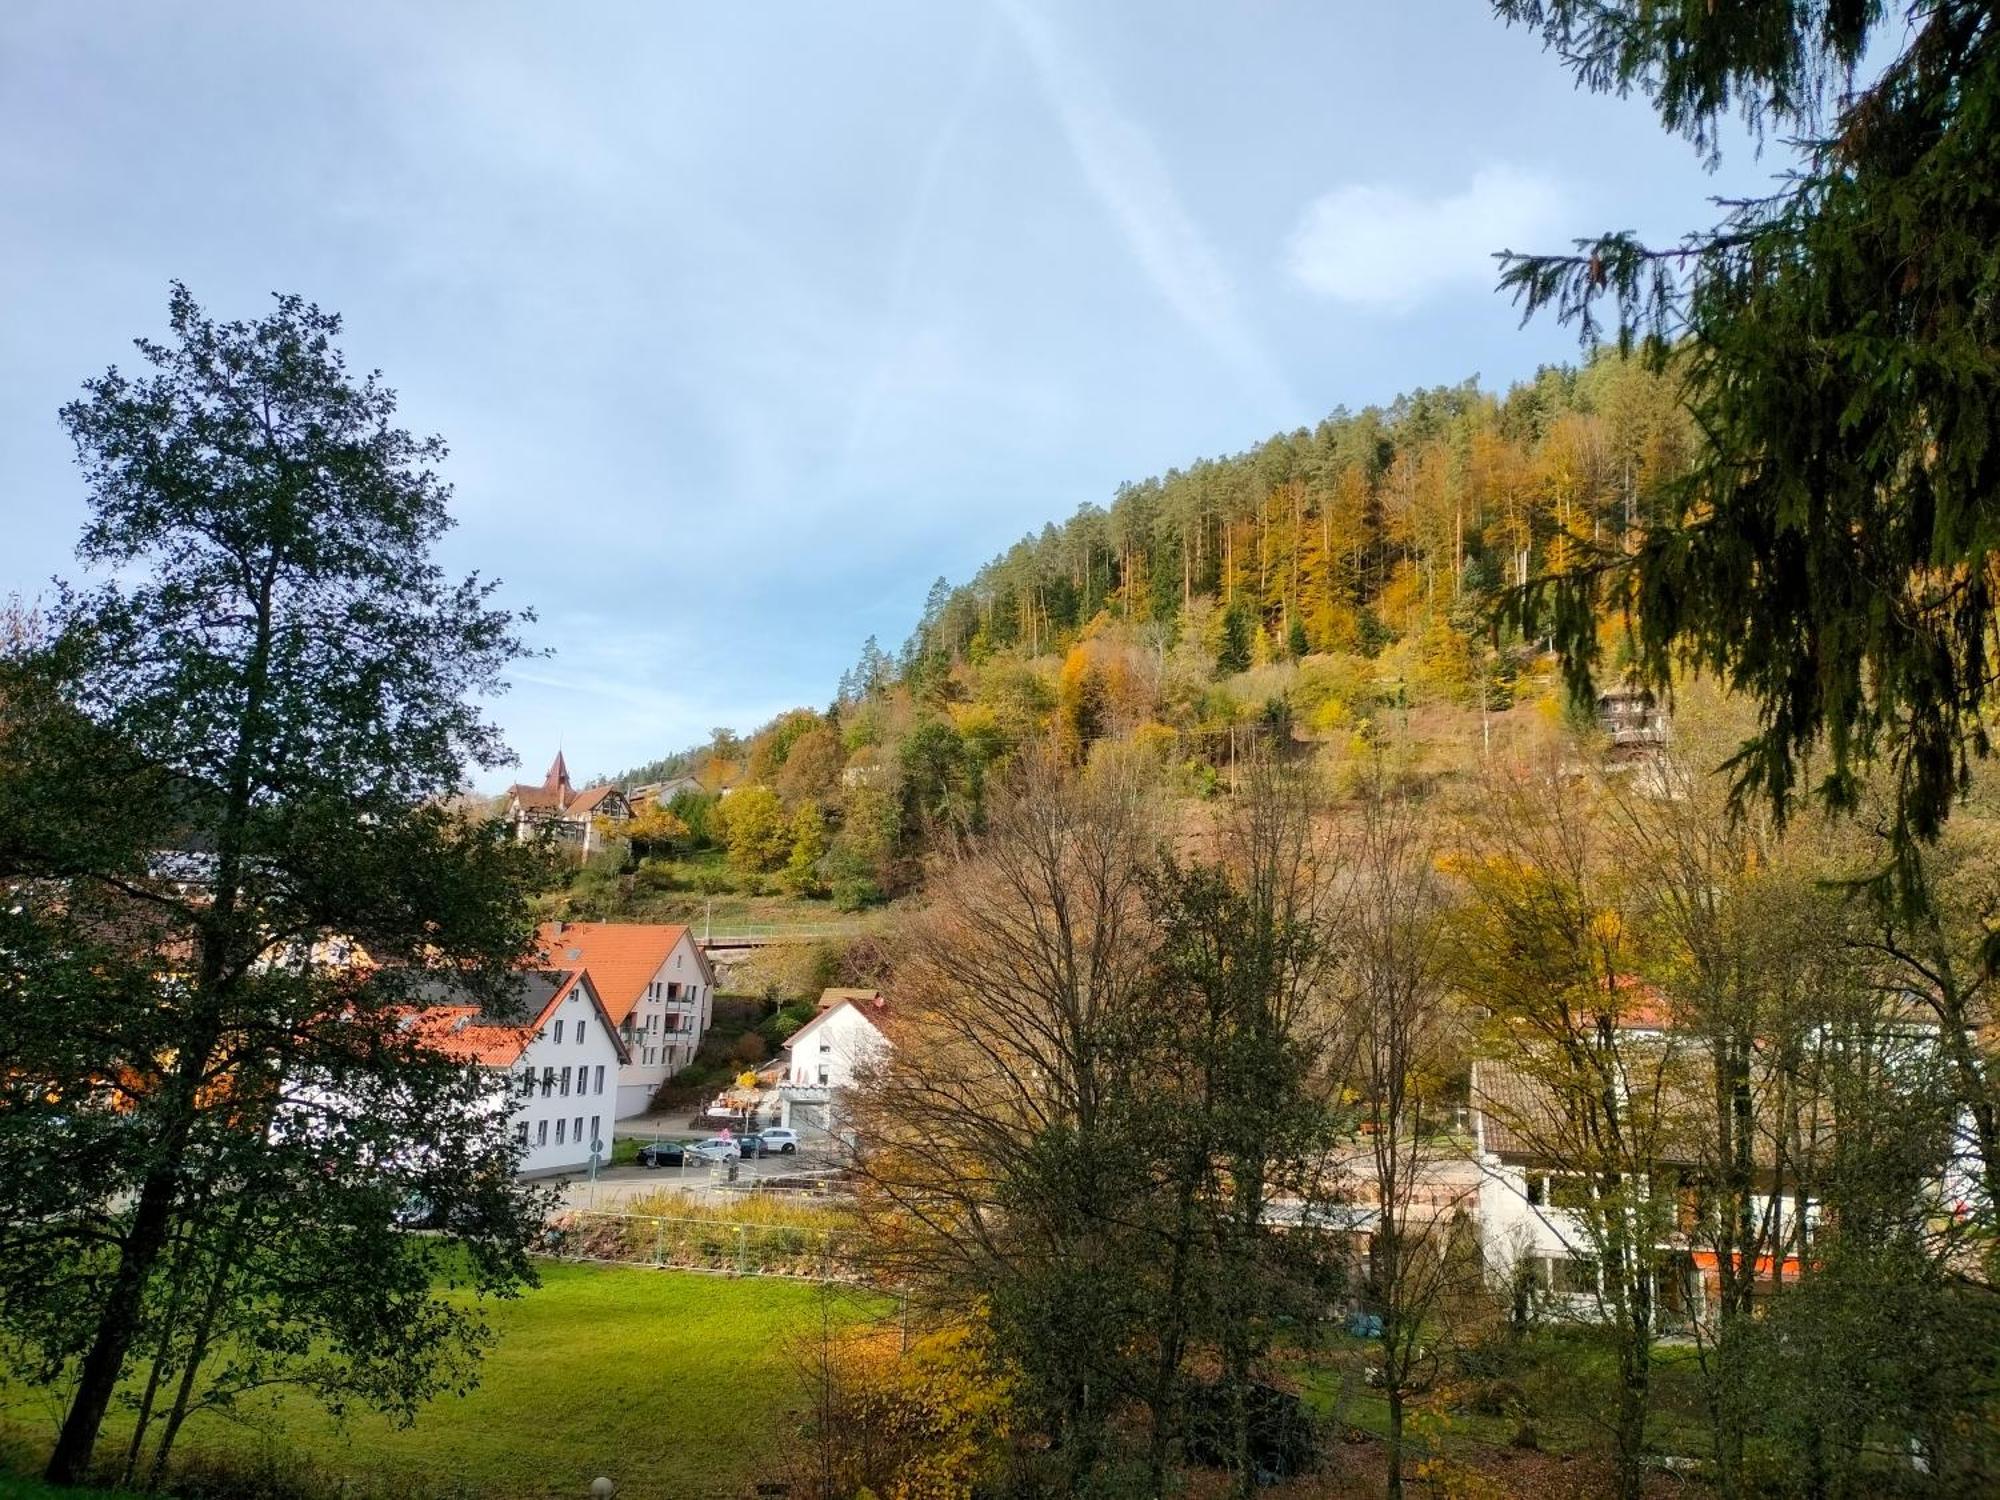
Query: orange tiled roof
(589,798)
(622,957)
(464,1031)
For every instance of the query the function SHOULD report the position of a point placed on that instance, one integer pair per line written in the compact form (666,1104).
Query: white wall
(590,1054)
(665,1028)
(827,1056)
(822,1062)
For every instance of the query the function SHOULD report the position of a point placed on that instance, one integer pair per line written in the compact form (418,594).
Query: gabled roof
(590,799)
(868,1004)
(866,999)
(451,1025)
(623,957)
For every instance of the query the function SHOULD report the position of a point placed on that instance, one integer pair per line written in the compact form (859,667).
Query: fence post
(742,1248)
(659,1242)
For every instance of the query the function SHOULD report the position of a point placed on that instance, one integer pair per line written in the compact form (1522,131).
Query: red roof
(590,798)
(623,957)
(464,1031)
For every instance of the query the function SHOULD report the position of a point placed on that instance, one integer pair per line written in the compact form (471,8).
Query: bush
(1284,1440)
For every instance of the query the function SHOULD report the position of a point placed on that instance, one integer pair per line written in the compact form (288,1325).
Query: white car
(713,1150)
(783,1142)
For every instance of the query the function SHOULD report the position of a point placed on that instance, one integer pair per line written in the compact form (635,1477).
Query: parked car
(784,1142)
(417,1212)
(752,1146)
(714,1149)
(662,1154)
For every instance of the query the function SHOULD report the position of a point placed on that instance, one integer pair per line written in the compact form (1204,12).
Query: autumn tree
(802,865)
(1568,1066)
(1001,1165)
(755,829)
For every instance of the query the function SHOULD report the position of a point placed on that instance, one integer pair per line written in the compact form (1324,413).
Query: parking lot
(618,1186)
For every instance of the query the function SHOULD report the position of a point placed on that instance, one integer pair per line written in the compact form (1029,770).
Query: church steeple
(557,783)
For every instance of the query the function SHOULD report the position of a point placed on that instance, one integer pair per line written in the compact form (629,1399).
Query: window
(1573,1278)
(565,1083)
(822,1074)
(541,1132)
(548,1082)
(527,1083)
(559,1131)
(593,1127)
(559,1027)
(1537,1189)
(578,1136)
(521,1132)
(825,1046)
(673,990)
(1572,1193)
(600,1080)
(579,1033)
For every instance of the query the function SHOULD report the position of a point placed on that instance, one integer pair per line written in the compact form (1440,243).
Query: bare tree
(998,1173)
(1395,998)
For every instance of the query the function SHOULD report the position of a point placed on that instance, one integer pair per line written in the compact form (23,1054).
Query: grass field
(676,1385)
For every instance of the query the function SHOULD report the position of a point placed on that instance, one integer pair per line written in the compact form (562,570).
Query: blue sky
(744,322)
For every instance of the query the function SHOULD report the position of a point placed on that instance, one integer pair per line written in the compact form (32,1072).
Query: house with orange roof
(657,988)
(555,805)
(554,1053)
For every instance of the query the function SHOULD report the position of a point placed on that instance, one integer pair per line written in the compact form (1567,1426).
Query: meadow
(676,1385)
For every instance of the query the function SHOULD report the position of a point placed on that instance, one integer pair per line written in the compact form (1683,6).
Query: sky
(746,322)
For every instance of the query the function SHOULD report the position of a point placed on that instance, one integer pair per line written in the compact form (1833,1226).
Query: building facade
(657,988)
(573,817)
(824,1056)
(555,1074)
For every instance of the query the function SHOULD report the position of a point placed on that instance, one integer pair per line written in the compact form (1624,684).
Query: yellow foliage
(1332,714)
(912,1423)
(655,824)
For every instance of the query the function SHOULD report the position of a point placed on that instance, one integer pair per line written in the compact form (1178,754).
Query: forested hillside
(1297,591)
(1372,527)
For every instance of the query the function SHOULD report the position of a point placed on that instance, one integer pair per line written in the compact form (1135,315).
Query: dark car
(662,1154)
(752,1145)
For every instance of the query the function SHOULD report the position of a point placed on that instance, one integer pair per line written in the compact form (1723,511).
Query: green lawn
(674,1384)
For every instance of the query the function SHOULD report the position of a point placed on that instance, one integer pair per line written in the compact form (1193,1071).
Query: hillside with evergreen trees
(1332,586)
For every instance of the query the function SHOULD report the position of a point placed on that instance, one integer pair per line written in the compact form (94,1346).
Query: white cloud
(1383,247)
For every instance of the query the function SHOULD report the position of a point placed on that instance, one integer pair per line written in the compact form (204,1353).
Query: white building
(555,1061)
(657,987)
(824,1055)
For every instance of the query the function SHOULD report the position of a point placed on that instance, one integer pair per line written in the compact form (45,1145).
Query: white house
(556,1071)
(823,1056)
(657,987)
(1533,1223)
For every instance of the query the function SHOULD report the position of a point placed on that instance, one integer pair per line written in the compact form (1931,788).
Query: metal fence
(728,1248)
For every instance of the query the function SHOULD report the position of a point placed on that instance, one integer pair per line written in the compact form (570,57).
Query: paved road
(616,1187)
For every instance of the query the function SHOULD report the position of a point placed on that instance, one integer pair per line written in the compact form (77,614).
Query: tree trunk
(117,1320)
(1395,1440)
